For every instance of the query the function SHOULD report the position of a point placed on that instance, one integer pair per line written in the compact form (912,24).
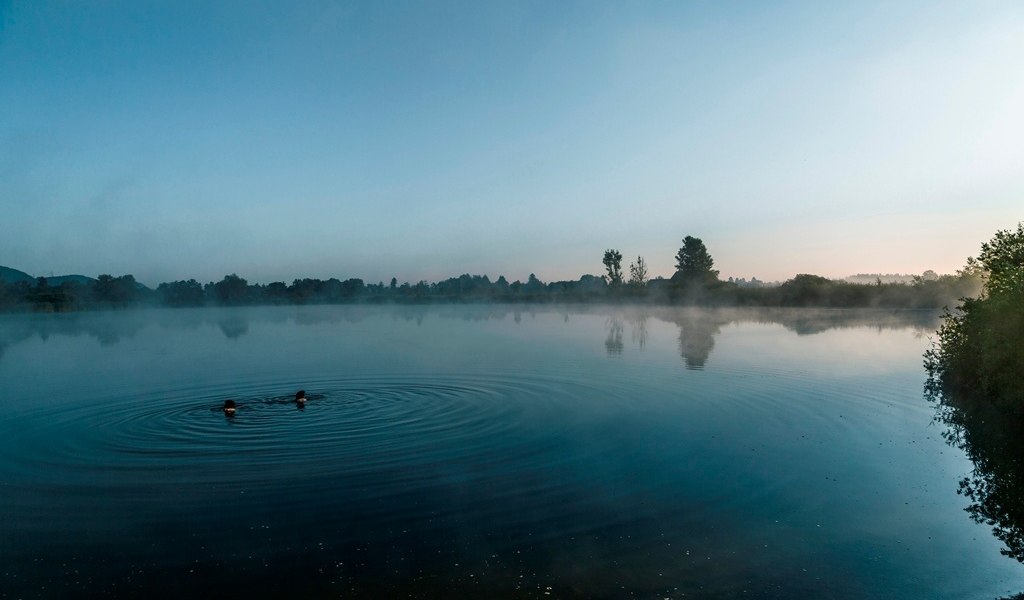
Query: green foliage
(980,343)
(808,290)
(1002,258)
(817,291)
(994,443)
(976,378)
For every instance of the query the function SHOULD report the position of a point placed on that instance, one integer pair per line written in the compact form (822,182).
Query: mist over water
(497,451)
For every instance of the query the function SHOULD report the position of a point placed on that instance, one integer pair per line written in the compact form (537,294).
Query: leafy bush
(980,348)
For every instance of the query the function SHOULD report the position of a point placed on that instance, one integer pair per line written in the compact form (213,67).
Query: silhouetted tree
(638,273)
(275,292)
(115,291)
(694,263)
(533,285)
(592,283)
(181,293)
(43,296)
(613,264)
(231,290)
(350,288)
(103,289)
(306,290)
(806,290)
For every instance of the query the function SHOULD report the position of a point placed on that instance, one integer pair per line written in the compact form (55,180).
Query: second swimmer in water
(300,397)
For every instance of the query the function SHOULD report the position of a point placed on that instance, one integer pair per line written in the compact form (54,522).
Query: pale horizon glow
(423,141)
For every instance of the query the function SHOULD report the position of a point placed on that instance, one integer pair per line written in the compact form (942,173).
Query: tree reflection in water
(698,327)
(994,442)
(233,327)
(638,329)
(613,343)
(697,333)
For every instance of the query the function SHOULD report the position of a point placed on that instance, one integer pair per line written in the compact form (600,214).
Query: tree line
(694,282)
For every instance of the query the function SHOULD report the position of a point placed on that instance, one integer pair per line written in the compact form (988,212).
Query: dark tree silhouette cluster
(694,263)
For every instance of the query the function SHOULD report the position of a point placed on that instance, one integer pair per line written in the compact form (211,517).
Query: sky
(175,140)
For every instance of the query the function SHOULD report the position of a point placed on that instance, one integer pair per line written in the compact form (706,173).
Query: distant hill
(9,275)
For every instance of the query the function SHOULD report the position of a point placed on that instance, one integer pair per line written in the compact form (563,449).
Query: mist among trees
(694,282)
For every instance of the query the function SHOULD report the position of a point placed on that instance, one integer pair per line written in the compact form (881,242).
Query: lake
(481,451)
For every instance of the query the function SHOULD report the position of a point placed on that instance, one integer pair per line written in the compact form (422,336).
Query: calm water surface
(481,451)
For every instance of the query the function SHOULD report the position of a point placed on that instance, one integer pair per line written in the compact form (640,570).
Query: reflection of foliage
(613,344)
(697,331)
(638,332)
(804,321)
(698,327)
(234,327)
(106,329)
(974,377)
(995,445)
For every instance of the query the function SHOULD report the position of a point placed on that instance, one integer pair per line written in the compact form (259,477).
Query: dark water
(482,452)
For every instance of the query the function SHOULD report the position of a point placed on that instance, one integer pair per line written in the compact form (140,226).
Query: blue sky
(425,140)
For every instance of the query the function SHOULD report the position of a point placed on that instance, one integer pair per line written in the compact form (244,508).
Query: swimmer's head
(300,396)
(229,406)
